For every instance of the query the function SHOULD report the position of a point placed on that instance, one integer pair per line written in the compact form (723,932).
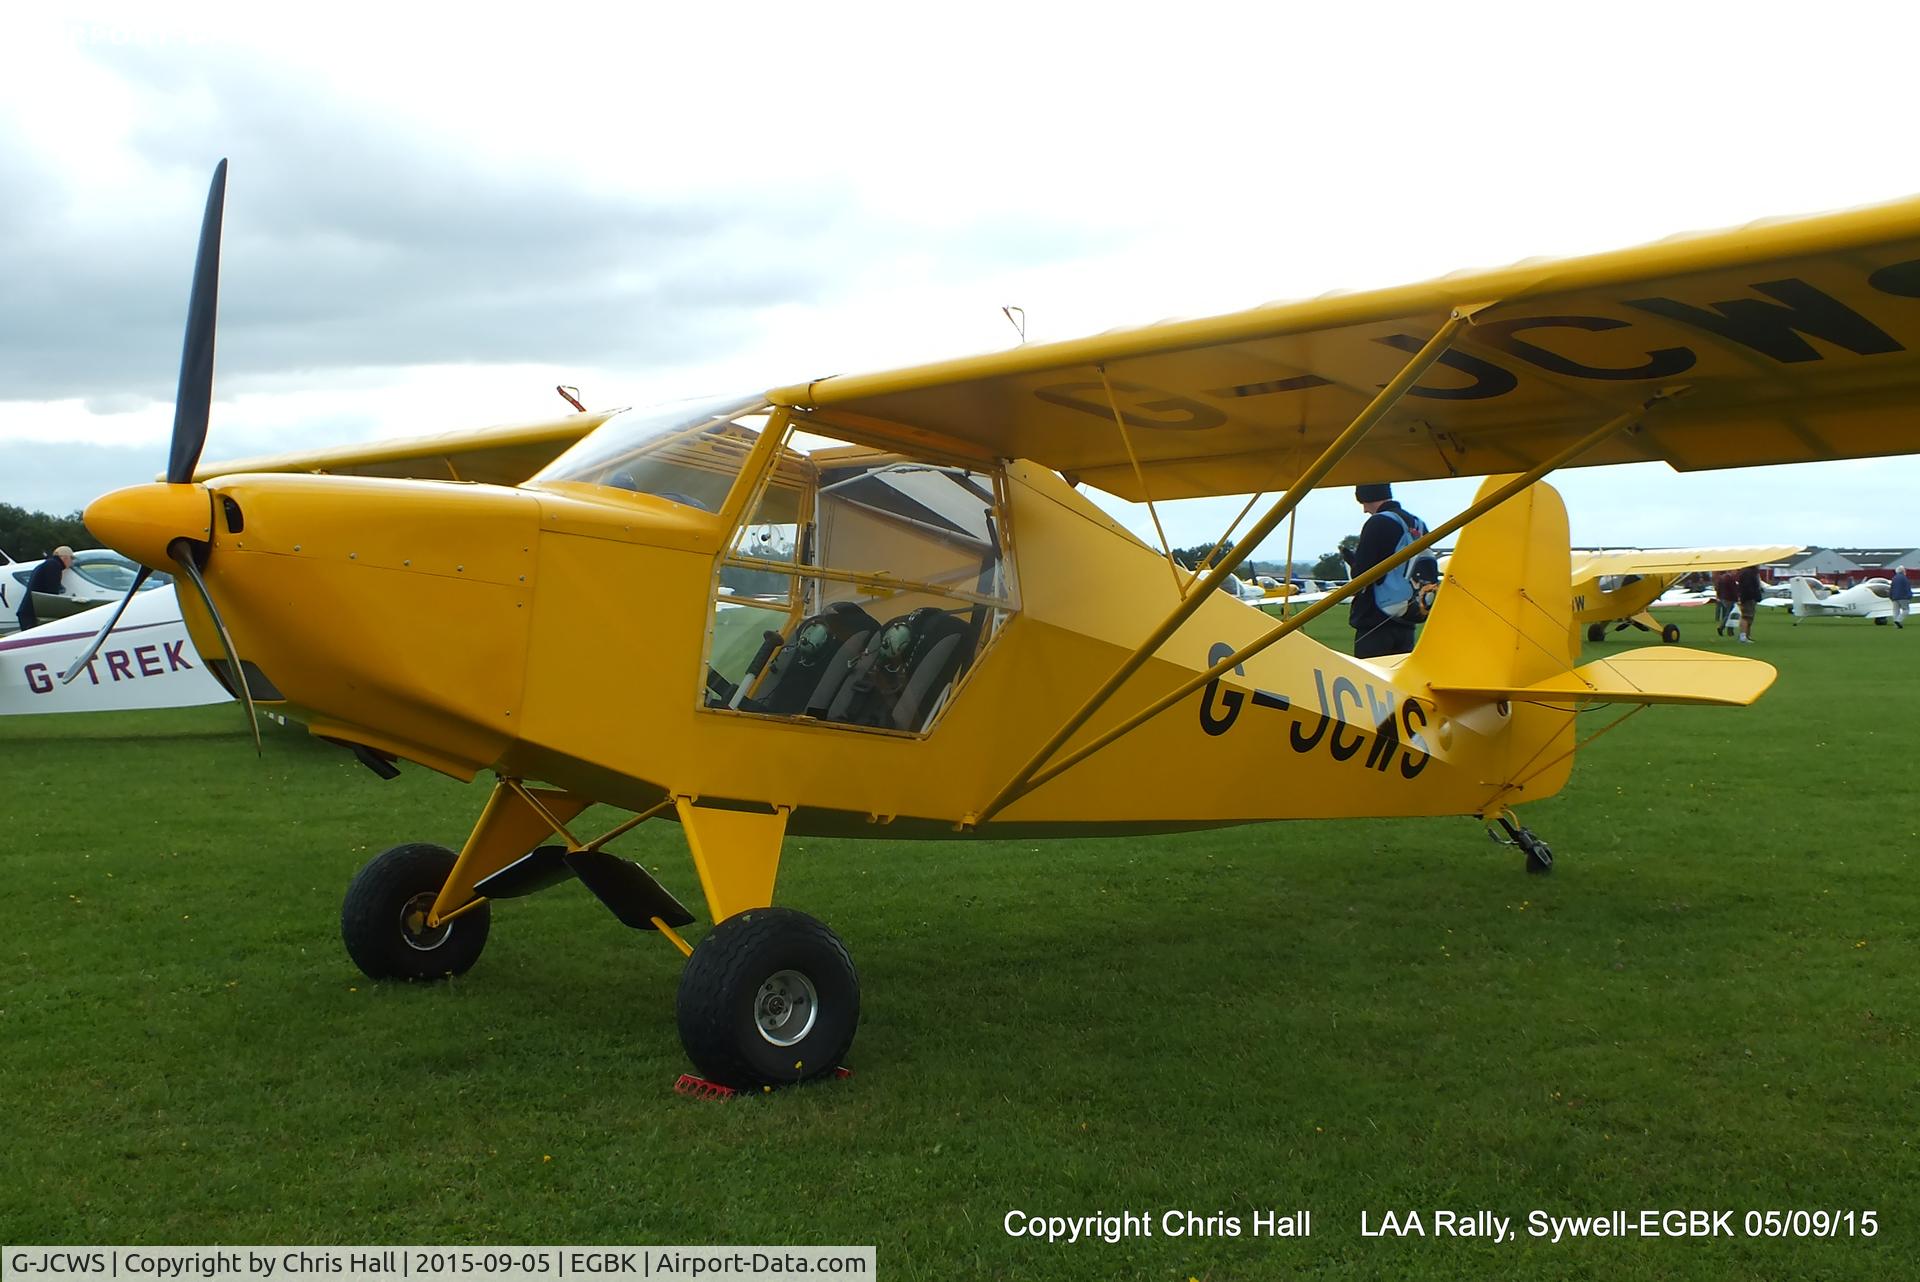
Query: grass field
(1711,1004)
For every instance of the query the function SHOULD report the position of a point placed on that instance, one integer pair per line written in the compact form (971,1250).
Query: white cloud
(433,220)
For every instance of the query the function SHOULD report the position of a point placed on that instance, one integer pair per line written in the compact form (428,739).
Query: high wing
(1676,561)
(504,455)
(1780,342)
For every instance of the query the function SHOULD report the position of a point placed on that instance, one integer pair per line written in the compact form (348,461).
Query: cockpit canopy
(858,585)
(689,453)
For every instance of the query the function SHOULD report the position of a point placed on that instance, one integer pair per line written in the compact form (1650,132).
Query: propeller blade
(181,550)
(193,403)
(100,637)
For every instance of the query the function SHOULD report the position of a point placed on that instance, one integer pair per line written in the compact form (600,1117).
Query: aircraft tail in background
(1807,592)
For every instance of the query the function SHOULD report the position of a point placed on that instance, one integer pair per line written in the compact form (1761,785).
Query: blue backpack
(1394,593)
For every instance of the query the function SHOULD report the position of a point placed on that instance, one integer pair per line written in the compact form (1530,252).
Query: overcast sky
(431,222)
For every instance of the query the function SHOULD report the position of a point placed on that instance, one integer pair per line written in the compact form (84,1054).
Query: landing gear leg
(1539,854)
(769,997)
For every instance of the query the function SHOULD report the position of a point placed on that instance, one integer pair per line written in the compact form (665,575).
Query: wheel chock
(700,1088)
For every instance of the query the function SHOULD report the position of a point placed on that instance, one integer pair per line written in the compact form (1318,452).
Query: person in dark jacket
(1749,602)
(1726,594)
(1375,632)
(46,578)
(1900,592)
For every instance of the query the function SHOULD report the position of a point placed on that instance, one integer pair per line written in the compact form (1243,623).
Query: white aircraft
(1866,600)
(1270,594)
(96,576)
(147,662)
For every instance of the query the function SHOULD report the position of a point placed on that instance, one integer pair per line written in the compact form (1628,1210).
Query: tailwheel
(1539,854)
(769,998)
(383,919)
(1670,633)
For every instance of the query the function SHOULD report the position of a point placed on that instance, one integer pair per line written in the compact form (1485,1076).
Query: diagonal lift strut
(1038,771)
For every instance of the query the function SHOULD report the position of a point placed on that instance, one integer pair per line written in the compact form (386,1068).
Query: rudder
(1504,616)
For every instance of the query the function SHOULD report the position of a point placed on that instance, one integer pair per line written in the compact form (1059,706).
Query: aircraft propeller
(192,407)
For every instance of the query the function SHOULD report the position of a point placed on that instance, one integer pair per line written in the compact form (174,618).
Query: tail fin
(1504,617)
(1807,591)
(1502,626)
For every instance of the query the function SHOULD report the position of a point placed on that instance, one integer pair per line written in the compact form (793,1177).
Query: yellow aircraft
(1647,575)
(858,605)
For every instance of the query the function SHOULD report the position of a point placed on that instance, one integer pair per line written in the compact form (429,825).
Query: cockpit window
(689,453)
(861,588)
(112,571)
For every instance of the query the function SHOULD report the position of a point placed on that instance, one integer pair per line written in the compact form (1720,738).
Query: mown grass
(1712,1003)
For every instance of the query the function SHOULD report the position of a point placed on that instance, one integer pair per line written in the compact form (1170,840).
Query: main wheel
(768,999)
(1596,632)
(383,919)
(1670,633)
(1539,858)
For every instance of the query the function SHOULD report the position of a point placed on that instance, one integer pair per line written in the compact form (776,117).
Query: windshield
(687,453)
(112,571)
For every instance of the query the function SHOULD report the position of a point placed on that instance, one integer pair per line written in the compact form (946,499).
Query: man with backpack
(1383,616)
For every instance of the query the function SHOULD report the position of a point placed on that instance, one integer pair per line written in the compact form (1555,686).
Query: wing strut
(1199,591)
(1120,421)
(1032,776)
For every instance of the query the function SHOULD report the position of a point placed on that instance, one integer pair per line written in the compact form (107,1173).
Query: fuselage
(563,632)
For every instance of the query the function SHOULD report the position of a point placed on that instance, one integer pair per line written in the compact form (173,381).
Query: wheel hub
(413,924)
(785,1008)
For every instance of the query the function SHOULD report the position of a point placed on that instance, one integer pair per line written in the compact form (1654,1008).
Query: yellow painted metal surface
(736,853)
(1794,339)
(1653,674)
(390,613)
(148,518)
(1678,561)
(507,829)
(504,455)
(612,708)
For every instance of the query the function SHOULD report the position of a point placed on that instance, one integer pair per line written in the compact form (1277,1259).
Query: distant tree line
(28,536)
(1331,565)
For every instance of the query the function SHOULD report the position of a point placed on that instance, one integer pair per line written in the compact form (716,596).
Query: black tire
(1670,633)
(1596,632)
(1539,858)
(743,975)
(381,919)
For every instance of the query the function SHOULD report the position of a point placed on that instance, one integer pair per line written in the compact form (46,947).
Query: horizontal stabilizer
(1657,674)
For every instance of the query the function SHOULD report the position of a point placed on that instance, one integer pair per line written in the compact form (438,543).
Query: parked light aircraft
(1865,600)
(1270,598)
(149,662)
(96,577)
(926,663)
(1648,574)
